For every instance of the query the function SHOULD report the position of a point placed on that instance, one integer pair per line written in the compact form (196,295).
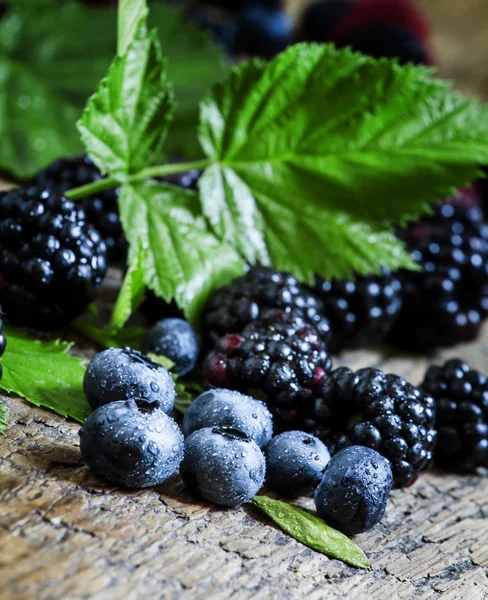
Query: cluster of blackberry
(446,302)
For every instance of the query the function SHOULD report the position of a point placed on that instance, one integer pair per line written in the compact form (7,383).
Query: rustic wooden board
(66,534)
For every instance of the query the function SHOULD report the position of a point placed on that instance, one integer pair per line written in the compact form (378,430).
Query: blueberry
(222,465)
(131,446)
(175,339)
(263,31)
(121,374)
(226,408)
(295,463)
(353,493)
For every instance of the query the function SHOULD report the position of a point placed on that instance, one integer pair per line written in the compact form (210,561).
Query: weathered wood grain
(66,534)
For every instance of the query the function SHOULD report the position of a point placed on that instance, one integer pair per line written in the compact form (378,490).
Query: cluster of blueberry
(228,451)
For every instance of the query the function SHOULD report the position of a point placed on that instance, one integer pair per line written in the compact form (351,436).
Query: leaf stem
(157,171)
(92,188)
(94,334)
(171,169)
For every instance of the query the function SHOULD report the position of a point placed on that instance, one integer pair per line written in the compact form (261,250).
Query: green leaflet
(327,149)
(130,14)
(126,121)
(44,374)
(312,531)
(182,260)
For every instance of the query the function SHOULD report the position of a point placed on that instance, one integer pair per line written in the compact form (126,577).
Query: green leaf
(125,122)
(322,146)
(48,67)
(36,125)
(44,374)
(312,531)
(131,293)
(56,54)
(130,14)
(66,45)
(182,260)
(195,63)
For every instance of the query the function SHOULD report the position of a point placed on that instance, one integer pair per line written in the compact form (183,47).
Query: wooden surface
(66,534)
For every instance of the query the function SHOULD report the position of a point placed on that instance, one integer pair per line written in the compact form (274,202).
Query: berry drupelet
(361,312)
(280,359)
(446,302)
(461,396)
(382,412)
(248,297)
(51,262)
(101,209)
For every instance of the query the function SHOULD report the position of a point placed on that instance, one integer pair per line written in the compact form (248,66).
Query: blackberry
(101,209)
(446,302)
(388,41)
(382,412)
(461,396)
(3,341)
(361,312)
(280,359)
(245,299)
(51,262)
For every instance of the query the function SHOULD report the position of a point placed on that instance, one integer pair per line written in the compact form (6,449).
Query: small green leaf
(183,398)
(182,260)
(130,14)
(44,374)
(131,293)
(312,531)
(3,418)
(126,121)
(320,152)
(162,360)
